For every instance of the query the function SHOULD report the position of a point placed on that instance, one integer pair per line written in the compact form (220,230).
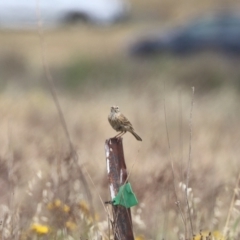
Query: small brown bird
(120,123)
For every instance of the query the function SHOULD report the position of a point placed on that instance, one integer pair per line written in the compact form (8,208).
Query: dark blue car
(219,33)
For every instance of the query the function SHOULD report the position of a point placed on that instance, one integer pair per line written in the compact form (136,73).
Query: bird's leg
(118,135)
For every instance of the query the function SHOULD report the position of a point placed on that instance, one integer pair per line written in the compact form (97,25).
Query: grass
(32,138)
(43,196)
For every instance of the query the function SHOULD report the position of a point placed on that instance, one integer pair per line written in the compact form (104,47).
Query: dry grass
(37,181)
(33,138)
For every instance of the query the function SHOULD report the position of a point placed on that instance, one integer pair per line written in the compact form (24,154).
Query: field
(48,194)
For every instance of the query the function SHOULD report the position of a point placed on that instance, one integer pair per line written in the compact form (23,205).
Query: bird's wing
(125,121)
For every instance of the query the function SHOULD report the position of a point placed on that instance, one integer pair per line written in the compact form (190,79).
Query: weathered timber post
(117,176)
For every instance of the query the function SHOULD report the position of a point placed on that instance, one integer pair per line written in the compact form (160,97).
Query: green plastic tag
(125,196)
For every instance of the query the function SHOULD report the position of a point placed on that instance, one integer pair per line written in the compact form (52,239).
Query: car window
(231,25)
(204,29)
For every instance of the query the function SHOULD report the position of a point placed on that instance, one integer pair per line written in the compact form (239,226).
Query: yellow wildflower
(57,203)
(139,237)
(216,235)
(40,229)
(66,208)
(50,206)
(84,207)
(70,225)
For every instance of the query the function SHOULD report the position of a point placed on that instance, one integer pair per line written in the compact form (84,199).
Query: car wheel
(75,17)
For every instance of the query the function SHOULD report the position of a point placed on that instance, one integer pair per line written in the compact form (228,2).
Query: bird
(120,123)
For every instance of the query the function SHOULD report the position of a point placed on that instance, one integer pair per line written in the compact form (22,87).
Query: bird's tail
(136,136)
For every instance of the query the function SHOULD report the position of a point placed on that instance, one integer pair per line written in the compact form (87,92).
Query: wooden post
(117,176)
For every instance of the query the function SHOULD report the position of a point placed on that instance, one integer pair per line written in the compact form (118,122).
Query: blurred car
(22,13)
(218,33)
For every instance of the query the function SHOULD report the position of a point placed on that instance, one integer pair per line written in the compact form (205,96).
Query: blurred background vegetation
(92,70)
